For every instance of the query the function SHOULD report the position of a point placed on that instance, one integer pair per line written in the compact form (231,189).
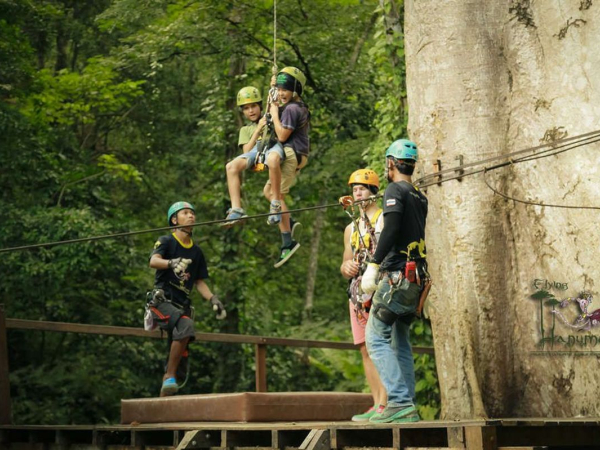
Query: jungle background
(111,110)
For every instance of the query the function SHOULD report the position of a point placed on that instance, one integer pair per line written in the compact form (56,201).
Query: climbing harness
(268,135)
(364,252)
(153,299)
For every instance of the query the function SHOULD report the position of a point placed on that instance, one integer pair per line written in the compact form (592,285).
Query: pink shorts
(359,324)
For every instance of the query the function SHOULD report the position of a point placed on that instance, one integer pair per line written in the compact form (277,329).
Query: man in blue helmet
(180,266)
(400,258)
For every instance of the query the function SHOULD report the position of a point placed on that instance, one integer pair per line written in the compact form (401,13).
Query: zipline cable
(556,147)
(425,180)
(154,230)
(531,202)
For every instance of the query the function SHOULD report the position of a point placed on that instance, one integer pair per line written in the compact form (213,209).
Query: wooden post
(480,438)
(261,367)
(4,380)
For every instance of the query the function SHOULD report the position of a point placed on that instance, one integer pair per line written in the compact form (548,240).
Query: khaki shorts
(289,169)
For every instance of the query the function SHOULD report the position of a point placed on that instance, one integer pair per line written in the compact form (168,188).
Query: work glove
(179,266)
(218,307)
(370,278)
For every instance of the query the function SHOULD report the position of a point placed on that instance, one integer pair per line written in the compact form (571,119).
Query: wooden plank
(317,440)
(5,407)
(64,327)
(396,438)
(480,438)
(200,439)
(260,359)
(456,437)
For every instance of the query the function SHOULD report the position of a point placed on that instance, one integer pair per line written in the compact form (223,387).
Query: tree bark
(486,79)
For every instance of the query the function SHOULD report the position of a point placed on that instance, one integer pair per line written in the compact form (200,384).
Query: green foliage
(110,111)
(391,116)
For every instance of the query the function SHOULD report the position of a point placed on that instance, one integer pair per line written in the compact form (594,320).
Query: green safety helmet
(403,149)
(248,94)
(296,74)
(176,207)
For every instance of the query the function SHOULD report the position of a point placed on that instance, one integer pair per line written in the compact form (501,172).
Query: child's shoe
(234,215)
(286,253)
(275,212)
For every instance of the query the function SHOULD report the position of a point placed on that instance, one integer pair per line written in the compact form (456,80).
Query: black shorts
(182,329)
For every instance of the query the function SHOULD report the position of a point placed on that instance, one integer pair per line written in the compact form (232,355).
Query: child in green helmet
(250,102)
(282,172)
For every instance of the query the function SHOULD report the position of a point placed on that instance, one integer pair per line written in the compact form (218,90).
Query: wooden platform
(246,407)
(503,434)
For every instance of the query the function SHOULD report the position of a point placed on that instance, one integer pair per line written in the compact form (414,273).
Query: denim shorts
(250,157)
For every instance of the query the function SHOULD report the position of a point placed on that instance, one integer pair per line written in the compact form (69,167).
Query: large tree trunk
(486,79)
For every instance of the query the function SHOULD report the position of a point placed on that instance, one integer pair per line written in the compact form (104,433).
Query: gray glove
(179,266)
(218,307)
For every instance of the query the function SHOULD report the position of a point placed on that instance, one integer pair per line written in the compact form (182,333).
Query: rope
(429,180)
(530,202)
(275,35)
(154,230)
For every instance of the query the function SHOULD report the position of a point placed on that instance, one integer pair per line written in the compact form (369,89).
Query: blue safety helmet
(176,207)
(403,149)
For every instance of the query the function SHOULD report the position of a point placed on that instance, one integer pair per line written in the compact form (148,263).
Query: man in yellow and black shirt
(180,266)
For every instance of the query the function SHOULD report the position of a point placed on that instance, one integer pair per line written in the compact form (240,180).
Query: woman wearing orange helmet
(359,244)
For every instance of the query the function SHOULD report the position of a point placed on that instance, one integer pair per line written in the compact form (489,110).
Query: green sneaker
(286,253)
(396,414)
(364,417)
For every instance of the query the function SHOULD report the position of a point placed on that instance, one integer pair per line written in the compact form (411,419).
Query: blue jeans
(389,345)
(252,154)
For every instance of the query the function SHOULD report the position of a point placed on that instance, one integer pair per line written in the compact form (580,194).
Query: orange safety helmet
(367,177)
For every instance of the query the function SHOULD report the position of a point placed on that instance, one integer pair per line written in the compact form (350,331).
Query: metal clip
(437,167)
(459,170)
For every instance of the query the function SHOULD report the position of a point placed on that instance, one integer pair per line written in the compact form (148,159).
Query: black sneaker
(294,226)
(286,253)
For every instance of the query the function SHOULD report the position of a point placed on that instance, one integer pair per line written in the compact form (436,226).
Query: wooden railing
(260,343)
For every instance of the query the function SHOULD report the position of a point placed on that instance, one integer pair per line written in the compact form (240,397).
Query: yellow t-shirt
(376,223)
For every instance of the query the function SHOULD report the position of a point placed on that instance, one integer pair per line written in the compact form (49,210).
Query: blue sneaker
(169,387)
(275,212)
(234,215)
